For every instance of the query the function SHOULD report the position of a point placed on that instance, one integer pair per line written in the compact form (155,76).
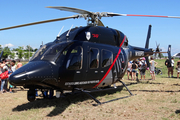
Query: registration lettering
(139,53)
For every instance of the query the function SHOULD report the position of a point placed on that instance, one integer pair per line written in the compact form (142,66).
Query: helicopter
(158,50)
(83,59)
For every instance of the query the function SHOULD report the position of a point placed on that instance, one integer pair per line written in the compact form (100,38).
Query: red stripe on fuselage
(112,63)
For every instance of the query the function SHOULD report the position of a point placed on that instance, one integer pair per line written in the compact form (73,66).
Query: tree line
(21,51)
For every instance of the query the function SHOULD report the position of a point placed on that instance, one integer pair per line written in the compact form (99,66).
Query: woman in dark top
(134,67)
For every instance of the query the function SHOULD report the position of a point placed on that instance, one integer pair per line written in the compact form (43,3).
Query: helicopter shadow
(144,82)
(176,84)
(61,104)
(157,90)
(177,111)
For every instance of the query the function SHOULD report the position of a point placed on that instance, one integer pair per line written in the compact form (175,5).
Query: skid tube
(97,101)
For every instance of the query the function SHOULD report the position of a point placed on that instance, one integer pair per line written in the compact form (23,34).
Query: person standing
(0,71)
(178,68)
(13,69)
(172,65)
(3,80)
(19,64)
(143,66)
(168,64)
(13,66)
(152,68)
(129,70)
(134,67)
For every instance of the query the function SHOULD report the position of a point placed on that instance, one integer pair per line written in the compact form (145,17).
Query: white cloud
(8,45)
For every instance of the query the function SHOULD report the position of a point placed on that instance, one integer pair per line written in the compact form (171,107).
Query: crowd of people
(6,69)
(170,67)
(140,66)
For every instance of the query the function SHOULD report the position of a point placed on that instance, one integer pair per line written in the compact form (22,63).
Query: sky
(165,31)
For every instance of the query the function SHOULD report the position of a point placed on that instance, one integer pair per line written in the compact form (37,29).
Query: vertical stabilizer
(147,43)
(169,53)
(148,37)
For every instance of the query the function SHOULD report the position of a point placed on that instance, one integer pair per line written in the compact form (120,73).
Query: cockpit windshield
(49,52)
(41,51)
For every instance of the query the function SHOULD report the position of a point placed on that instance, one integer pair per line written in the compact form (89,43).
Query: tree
(29,48)
(20,52)
(28,54)
(35,49)
(6,52)
(1,48)
(12,55)
(161,55)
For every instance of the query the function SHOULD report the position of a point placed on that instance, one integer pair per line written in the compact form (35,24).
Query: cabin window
(107,58)
(94,58)
(75,59)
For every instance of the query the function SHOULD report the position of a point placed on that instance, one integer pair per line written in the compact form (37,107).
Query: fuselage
(84,57)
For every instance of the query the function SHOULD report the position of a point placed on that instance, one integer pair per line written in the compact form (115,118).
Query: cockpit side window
(107,58)
(94,58)
(75,59)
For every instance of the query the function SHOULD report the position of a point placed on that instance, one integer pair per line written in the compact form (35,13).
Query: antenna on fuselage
(41,44)
(58,36)
(67,35)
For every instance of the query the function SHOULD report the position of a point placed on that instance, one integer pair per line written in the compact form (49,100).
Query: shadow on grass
(176,84)
(177,111)
(156,90)
(61,104)
(144,82)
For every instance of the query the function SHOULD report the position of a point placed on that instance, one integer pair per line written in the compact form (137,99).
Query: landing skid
(106,89)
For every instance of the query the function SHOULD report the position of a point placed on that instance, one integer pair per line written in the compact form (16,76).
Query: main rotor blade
(76,10)
(116,14)
(40,22)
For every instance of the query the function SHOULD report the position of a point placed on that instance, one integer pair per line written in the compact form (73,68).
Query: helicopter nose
(31,73)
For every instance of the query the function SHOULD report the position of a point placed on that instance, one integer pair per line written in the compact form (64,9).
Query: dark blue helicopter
(82,58)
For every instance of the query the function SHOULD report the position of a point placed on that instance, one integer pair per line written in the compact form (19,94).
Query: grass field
(152,100)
